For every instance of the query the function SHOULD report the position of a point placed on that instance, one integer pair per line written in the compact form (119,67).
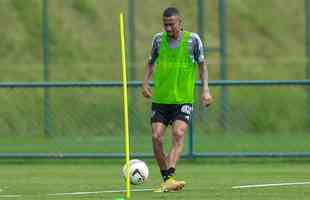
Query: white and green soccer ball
(138,171)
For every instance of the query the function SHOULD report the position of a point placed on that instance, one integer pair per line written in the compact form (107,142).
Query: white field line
(99,192)
(80,193)
(270,185)
(10,196)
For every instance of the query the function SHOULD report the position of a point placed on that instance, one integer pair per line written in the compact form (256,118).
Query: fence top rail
(77,84)
(146,155)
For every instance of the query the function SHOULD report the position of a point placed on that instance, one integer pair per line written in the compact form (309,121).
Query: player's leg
(179,129)
(180,123)
(158,130)
(159,121)
(178,133)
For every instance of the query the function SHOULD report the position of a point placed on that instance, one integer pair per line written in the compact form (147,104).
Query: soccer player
(176,56)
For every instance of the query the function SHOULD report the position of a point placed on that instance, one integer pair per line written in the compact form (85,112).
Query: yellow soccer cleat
(171,185)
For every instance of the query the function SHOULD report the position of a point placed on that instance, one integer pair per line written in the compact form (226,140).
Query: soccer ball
(138,171)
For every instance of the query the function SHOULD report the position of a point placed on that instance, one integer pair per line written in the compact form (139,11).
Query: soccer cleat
(161,188)
(171,185)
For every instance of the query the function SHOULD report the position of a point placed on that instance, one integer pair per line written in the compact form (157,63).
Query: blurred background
(60,73)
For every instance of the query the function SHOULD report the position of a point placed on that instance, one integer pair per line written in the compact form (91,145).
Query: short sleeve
(198,49)
(155,48)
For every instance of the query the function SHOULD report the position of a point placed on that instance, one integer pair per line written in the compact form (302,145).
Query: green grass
(142,143)
(205,180)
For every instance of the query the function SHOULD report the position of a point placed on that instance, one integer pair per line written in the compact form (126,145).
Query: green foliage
(87,8)
(29,15)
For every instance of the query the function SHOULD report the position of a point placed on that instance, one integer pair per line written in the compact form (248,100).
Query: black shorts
(168,113)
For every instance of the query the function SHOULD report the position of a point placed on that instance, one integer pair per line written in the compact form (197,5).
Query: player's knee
(157,137)
(178,134)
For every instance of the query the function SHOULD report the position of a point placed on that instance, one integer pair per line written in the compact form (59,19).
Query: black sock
(164,174)
(171,171)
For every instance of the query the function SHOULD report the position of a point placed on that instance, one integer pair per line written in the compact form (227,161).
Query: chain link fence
(72,49)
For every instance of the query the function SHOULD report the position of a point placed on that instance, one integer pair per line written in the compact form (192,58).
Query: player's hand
(146,90)
(206,99)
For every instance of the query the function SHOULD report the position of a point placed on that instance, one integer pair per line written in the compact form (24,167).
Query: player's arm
(206,97)
(146,89)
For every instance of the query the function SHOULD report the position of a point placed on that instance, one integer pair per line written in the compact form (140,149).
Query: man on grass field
(176,56)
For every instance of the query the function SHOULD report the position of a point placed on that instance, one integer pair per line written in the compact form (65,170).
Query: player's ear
(180,22)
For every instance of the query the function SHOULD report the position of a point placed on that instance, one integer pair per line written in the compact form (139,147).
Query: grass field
(206,179)
(232,142)
(84,46)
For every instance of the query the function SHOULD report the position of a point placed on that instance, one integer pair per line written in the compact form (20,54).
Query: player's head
(172,21)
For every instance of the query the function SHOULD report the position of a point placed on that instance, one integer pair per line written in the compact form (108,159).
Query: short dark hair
(171,11)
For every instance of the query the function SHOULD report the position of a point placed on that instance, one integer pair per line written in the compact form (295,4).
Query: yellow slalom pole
(125,95)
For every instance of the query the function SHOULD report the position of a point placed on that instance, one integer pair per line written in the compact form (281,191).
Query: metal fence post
(223,65)
(132,62)
(200,19)
(131,41)
(46,104)
(201,28)
(307,48)
(190,154)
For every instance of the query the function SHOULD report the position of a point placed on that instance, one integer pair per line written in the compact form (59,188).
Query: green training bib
(175,73)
